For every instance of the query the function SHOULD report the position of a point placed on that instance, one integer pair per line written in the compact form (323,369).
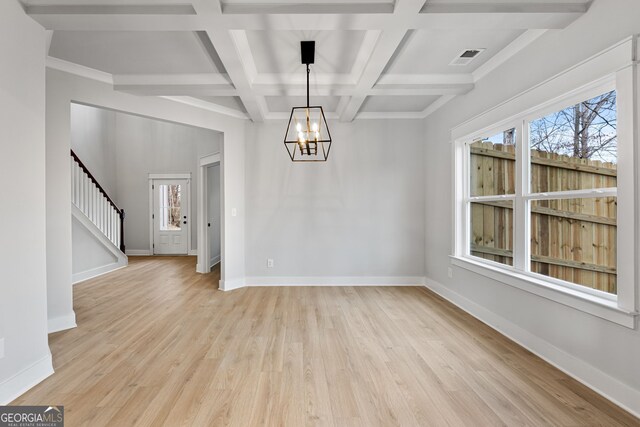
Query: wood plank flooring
(158,344)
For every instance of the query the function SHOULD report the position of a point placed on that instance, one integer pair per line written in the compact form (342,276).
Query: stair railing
(92,200)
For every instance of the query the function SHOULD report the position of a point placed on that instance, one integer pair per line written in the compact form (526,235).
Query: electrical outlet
(269,263)
(450,272)
(1,348)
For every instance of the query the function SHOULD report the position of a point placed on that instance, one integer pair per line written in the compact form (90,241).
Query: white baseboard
(214,261)
(27,378)
(611,388)
(99,271)
(138,252)
(192,252)
(62,323)
(335,281)
(230,285)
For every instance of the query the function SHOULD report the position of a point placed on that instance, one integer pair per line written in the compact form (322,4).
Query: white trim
(16,385)
(580,77)
(214,261)
(95,272)
(210,159)
(567,88)
(209,106)
(139,252)
(153,176)
(609,387)
(203,214)
(588,302)
(101,238)
(78,70)
(513,48)
(335,281)
(62,323)
(192,252)
(231,284)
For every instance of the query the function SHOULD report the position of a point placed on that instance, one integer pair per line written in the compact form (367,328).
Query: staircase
(96,211)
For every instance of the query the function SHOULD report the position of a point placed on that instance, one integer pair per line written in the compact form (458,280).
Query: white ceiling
(374,58)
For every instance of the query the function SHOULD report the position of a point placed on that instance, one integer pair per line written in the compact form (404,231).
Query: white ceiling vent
(466,56)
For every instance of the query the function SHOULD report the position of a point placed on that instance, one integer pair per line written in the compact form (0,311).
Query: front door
(170,217)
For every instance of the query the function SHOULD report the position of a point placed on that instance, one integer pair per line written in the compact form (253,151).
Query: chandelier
(308,138)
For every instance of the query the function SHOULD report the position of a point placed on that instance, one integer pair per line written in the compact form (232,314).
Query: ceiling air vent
(466,56)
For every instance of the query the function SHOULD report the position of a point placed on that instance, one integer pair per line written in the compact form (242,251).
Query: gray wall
(93,140)
(23,268)
(613,349)
(88,252)
(125,149)
(359,214)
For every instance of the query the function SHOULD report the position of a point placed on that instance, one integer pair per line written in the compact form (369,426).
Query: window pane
(575,240)
(170,211)
(492,231)
(492,167)
(576,148)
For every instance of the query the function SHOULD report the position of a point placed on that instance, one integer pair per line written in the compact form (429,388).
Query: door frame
(161,176)
(202,265)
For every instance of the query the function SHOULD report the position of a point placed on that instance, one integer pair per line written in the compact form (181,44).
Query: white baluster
(100,208)
(119,225)
(76,184)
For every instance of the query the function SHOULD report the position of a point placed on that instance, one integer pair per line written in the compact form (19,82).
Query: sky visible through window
(586,130)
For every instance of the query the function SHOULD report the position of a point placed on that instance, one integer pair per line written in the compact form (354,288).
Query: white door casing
(171,222)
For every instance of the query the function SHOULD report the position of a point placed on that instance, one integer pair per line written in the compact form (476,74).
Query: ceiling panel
(280,104)
(279,51)
(133,52)
(397,104)
(431,52)
(233,102)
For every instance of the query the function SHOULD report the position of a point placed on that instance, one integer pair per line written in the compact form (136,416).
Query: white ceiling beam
(301,79)
(436,105)
(424,79)
(210,106)
(111,9)
(51,18)
(421,90)
(78,70)
(505,7)
(173,79)
(225,46)
(302,8)
(382,53)
(174,84)
(232,51)
(386,45)
(524,40)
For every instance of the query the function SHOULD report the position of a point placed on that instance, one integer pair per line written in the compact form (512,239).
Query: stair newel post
(122,230)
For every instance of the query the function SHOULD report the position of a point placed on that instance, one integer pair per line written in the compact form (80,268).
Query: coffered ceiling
(374,58)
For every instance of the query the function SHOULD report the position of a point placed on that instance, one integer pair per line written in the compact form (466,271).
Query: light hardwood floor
(158,344)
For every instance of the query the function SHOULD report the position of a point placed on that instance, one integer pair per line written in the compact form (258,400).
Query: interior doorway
(213,214)
(210,214)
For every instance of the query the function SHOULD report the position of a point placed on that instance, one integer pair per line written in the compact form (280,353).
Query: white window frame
(620,308)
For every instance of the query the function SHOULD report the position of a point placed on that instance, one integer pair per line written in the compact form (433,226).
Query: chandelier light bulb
(299,127)
(314,127)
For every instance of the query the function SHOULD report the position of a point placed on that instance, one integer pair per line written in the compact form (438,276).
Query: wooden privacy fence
(571,239)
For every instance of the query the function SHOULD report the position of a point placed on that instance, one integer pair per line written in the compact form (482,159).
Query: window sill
(592,304)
